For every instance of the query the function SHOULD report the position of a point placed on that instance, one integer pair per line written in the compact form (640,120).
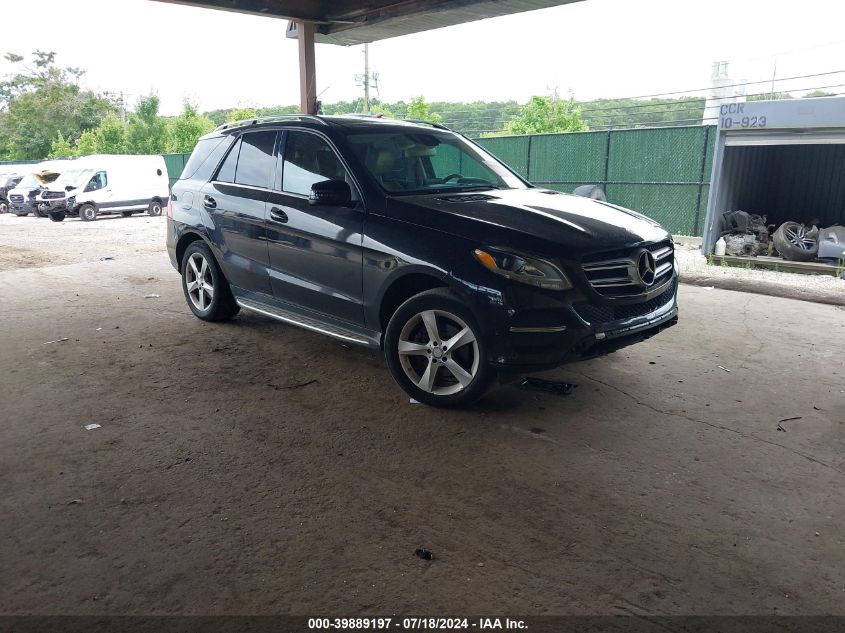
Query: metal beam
(307,68)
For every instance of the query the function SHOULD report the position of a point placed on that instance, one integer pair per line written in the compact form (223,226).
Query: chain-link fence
(661,172)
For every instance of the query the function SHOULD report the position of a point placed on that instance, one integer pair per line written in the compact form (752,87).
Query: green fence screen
(663,173)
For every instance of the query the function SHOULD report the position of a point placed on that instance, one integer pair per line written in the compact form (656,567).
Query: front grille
(592,313)
(615,274)
(16,198)
(52,195)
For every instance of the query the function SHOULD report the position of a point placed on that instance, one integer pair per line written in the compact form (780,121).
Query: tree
(820,93)
(184,131)
(87,144)
(61,148)
(42,100)
(418,110)
(547,114)
(241,114)
(111,135)
(146,132)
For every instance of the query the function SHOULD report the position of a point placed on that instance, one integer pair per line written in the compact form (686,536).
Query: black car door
(315,251)
(235,201)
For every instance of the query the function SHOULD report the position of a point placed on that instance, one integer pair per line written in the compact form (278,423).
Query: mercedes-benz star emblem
(646,267)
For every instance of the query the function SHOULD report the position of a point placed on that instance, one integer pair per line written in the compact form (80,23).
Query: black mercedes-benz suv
(411,238)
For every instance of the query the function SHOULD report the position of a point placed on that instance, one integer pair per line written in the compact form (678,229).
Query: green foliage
(184,131)
(146,132)
(771,96)
(87,144)
(547,114)
(241,114)
(38,103)
(418,110)
(61,148)
(820,93)
(111,135)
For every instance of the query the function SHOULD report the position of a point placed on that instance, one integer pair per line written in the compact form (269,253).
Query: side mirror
(335,193)
(69,188)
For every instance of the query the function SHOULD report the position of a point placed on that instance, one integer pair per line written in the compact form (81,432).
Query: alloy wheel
(438,352)
(799,236)
(199,282)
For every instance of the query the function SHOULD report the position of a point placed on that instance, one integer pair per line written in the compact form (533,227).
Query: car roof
(345,121)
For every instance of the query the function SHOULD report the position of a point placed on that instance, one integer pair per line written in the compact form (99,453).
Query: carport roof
(349,22)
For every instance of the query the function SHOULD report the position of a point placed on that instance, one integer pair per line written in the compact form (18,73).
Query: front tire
(87,213)
(57,216)
(435,352)
(205,287)
(155,208)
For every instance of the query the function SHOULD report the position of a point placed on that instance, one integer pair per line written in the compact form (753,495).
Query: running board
(303,322)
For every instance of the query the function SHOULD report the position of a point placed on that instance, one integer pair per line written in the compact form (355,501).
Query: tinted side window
(256,160)
(227,169)
(308,159)
(205,157)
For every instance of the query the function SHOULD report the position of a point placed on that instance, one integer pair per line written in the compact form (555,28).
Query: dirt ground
(256,468)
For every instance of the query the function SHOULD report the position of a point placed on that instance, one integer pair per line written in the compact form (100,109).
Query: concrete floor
(253,468)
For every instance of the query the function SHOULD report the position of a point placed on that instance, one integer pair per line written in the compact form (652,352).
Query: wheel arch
(402,288)
(185,241)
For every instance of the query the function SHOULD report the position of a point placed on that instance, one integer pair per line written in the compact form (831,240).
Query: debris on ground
(152,296)
(549,386)
(58,340)
(106,259)
(723,368)
(414,401)
(780,422)
(424,554)
(298,385)
(75,502)
(91,427)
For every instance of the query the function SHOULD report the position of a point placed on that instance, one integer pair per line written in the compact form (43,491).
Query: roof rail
(270,119)
(439,126)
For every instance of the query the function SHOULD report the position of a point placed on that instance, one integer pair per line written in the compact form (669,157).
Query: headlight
(528,270)
(71,201)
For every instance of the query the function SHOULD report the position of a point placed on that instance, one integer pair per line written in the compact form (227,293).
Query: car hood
(538,213)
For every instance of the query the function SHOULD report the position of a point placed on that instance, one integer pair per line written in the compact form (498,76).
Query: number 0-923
(746,121)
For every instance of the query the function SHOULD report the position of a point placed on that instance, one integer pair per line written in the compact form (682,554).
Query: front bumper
(528,330)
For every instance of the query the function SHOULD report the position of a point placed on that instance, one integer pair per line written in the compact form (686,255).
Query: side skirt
(310,323)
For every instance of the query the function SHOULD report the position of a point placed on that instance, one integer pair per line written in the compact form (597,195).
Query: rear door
(233,205)
(315,251)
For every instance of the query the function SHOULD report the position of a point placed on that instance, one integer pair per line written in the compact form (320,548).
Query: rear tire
(126,214)
(435,352)
(205,287)
(57,216)
(87,213)
(155,208)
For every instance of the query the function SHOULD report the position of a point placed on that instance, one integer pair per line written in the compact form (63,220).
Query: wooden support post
(307,68)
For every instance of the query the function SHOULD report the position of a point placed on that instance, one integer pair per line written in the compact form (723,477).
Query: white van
(104,184)
(23,199)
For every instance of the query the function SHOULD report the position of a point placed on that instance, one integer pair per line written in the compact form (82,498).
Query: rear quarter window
(205,157)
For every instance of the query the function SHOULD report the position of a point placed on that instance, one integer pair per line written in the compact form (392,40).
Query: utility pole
(366,78)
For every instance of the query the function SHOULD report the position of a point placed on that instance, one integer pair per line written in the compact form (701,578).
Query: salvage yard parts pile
(747,235)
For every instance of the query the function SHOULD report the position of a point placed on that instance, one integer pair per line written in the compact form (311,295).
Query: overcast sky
(595,48)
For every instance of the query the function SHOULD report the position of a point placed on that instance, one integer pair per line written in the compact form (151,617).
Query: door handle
(209,203)
(277,215)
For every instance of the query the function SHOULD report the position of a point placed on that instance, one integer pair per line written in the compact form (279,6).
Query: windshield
(415,162)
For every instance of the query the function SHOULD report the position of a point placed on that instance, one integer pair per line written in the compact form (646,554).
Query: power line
(663,94)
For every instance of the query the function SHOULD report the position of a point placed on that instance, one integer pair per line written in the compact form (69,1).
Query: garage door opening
(784,162)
